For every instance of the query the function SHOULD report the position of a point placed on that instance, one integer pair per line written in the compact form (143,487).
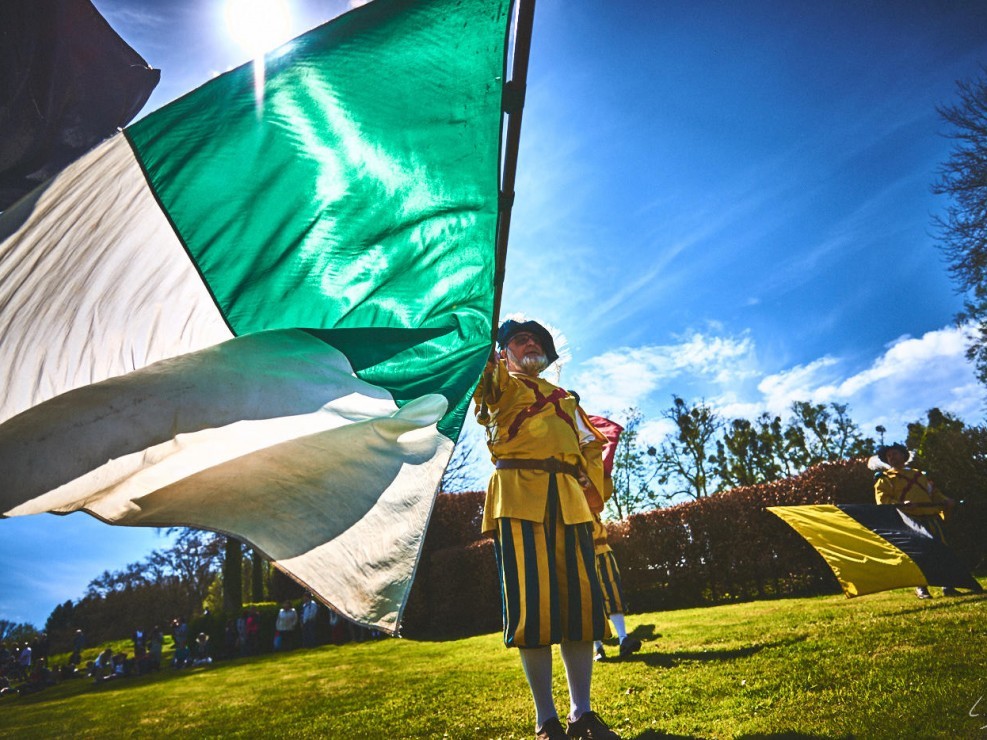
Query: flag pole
(514,91)
(513,106)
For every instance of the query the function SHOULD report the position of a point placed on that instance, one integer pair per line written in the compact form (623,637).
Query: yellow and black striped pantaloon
(550,590)
(609,574)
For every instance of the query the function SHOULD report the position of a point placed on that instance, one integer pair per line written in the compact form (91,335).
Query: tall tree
(819,433)
(684,459)
(962,230)
(16,631)
(953,454)
(633,471)
(750,452)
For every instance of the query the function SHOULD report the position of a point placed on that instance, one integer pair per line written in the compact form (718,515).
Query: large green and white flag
(264,315)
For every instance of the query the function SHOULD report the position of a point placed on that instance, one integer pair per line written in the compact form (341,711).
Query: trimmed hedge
(723,548)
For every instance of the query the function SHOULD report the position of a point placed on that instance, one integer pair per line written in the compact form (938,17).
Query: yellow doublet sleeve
(522,425)
(884,492)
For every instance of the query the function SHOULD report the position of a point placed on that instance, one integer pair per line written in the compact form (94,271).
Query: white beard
(529,364)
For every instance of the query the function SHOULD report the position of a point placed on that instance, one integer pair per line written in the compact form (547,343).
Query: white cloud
(910,376)
(913,375)
(627,376)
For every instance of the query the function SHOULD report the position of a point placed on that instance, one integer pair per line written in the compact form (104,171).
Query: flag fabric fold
(265,313)
(873,548)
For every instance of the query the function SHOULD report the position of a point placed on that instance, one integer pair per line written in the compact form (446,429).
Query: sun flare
(258,25)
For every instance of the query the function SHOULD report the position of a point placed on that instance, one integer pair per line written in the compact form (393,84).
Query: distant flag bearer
(606,564)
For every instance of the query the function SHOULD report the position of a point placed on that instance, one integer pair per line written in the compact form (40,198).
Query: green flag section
(874,548)
(264,312)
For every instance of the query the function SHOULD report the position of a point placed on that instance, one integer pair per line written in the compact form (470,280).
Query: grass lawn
(882,666)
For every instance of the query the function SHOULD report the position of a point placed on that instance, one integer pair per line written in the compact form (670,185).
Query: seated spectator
(69,670)
(119,667)
(39,679)
(202,650)
(5,685)
(103,665)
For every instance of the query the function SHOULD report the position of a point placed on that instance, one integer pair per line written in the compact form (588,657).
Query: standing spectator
(138,639)
(78,641)
(179,633)
(241,632)
(155,646)
(310,613)
(41,648)
(284,627)
(230,638)
(24,659)
(337,628)
(253,632)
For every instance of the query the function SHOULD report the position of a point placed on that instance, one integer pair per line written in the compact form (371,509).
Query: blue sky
(725,201)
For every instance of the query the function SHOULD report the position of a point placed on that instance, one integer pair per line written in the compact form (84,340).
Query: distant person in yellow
(614,602)
(545,452)
(613,593)
(917,496)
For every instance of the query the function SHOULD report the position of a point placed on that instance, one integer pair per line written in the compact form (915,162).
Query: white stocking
(578,660)
(537,664)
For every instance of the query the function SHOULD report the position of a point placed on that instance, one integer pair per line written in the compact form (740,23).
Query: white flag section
(259,415)
(94,282)
(230,318)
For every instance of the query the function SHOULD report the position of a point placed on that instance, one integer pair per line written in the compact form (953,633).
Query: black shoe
(629,645)
(551,730)
(922,592)
(589,726)
(599,653)
(949,591)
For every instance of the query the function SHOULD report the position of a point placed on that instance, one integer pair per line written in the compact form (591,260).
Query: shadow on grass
(645,632)
(670,660)
(792,736)
(659,735)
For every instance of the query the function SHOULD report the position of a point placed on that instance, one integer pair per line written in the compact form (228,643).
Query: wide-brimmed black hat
(511,327)
(882,451)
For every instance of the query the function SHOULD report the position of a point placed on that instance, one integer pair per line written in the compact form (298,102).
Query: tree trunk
(233,577)
(256,577)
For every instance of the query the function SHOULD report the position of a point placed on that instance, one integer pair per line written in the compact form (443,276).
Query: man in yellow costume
(896,483)
(614,602)
(548,471)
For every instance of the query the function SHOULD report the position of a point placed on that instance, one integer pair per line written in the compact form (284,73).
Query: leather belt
(549,465)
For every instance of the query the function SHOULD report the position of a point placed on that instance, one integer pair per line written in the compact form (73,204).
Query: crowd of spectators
(24,665)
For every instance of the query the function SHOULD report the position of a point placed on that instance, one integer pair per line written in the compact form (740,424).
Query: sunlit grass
(883,666)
